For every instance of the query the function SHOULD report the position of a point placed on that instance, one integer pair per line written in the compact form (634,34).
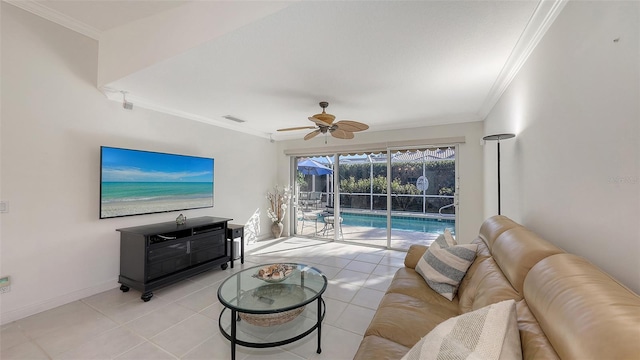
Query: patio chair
(303,199)
(307,216)
(329,223)
(315,198)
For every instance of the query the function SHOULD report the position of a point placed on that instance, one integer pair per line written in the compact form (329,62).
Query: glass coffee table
(268,305)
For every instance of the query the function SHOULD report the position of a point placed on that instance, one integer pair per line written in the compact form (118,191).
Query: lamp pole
(498,137)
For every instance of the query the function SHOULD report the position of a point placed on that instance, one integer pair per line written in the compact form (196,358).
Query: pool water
(399,223)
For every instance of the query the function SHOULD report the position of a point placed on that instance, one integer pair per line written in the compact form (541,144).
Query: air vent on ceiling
(233,118)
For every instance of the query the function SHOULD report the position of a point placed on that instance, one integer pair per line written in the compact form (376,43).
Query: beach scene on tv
(141,182)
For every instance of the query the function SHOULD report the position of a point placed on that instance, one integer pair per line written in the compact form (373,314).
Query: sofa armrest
(413,255)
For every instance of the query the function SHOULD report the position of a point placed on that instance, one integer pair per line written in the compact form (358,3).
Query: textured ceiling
(390,64)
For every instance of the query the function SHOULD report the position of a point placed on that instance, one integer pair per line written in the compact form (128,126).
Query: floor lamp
(498,137)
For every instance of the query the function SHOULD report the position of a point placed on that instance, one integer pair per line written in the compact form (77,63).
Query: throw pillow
(487,333)
(449,237)
(444,241)
(443,267)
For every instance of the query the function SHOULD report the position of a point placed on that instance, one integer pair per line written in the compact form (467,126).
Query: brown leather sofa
(567,308)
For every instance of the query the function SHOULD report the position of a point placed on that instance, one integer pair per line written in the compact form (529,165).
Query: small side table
(235,231)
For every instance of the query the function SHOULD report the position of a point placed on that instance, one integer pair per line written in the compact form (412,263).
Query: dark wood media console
(156,255)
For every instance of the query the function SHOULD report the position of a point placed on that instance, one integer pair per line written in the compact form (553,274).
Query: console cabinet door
(208,246)
(167,258)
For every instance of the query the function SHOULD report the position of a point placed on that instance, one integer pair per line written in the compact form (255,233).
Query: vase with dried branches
(278,201)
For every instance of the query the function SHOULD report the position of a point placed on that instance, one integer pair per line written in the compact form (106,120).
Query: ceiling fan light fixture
(324,117)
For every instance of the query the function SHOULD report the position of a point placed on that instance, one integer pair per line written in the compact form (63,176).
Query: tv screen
(135,182)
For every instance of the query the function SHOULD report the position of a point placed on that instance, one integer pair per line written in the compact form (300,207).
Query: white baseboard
(48,304)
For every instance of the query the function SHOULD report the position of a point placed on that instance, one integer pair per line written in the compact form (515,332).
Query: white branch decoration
(278,200)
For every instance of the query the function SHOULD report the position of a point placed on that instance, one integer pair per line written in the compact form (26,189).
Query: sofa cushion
(517,250)
(484,285)
(409,282)
(404,319)
(487,333)
(500,277)
(414,254)
(584,312)
(443,267)
(483,249)
(535,344)
(493,227)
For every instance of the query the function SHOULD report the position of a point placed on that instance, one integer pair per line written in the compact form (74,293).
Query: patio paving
(400,239)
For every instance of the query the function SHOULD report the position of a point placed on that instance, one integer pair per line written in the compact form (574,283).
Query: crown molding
(56,17)
(543,16)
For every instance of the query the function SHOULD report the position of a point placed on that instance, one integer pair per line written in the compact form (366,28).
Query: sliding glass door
(312,194)
(390,198)
(363,198)
(422,195)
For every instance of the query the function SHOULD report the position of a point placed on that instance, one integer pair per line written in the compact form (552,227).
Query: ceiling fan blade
(312,134)
(351,126)
(319,122)
(342,134)
(297,128)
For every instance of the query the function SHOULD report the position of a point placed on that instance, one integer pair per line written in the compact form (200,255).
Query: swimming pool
(425,225)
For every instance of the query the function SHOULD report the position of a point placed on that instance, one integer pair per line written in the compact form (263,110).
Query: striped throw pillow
(444,241)
(443,266)
(449,237)
(487,333)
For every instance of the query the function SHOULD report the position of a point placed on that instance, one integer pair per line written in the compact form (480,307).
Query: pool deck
(400,239)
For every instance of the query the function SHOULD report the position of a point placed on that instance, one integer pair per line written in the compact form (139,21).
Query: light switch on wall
(4,207)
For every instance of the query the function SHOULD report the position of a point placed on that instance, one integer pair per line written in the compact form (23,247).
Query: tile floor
(181,321)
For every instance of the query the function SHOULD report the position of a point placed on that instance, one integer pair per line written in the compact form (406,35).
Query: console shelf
(156,255)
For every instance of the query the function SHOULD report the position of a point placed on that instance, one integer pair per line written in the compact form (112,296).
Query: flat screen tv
(135,182)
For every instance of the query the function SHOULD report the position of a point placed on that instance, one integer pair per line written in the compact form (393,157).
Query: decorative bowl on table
(275,273)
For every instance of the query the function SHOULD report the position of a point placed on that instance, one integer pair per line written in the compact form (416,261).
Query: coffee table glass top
(266,289)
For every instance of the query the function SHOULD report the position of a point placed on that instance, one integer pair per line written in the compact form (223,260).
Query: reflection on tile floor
(181,321)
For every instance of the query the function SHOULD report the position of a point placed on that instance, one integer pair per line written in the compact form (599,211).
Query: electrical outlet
(5,289)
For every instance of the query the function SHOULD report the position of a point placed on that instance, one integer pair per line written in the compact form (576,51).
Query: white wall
(469,159)
(54,120)
(572,174)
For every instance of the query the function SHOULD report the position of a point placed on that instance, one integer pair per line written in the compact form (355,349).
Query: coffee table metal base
(234,339)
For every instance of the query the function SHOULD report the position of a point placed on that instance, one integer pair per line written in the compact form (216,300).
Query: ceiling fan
(342,129)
